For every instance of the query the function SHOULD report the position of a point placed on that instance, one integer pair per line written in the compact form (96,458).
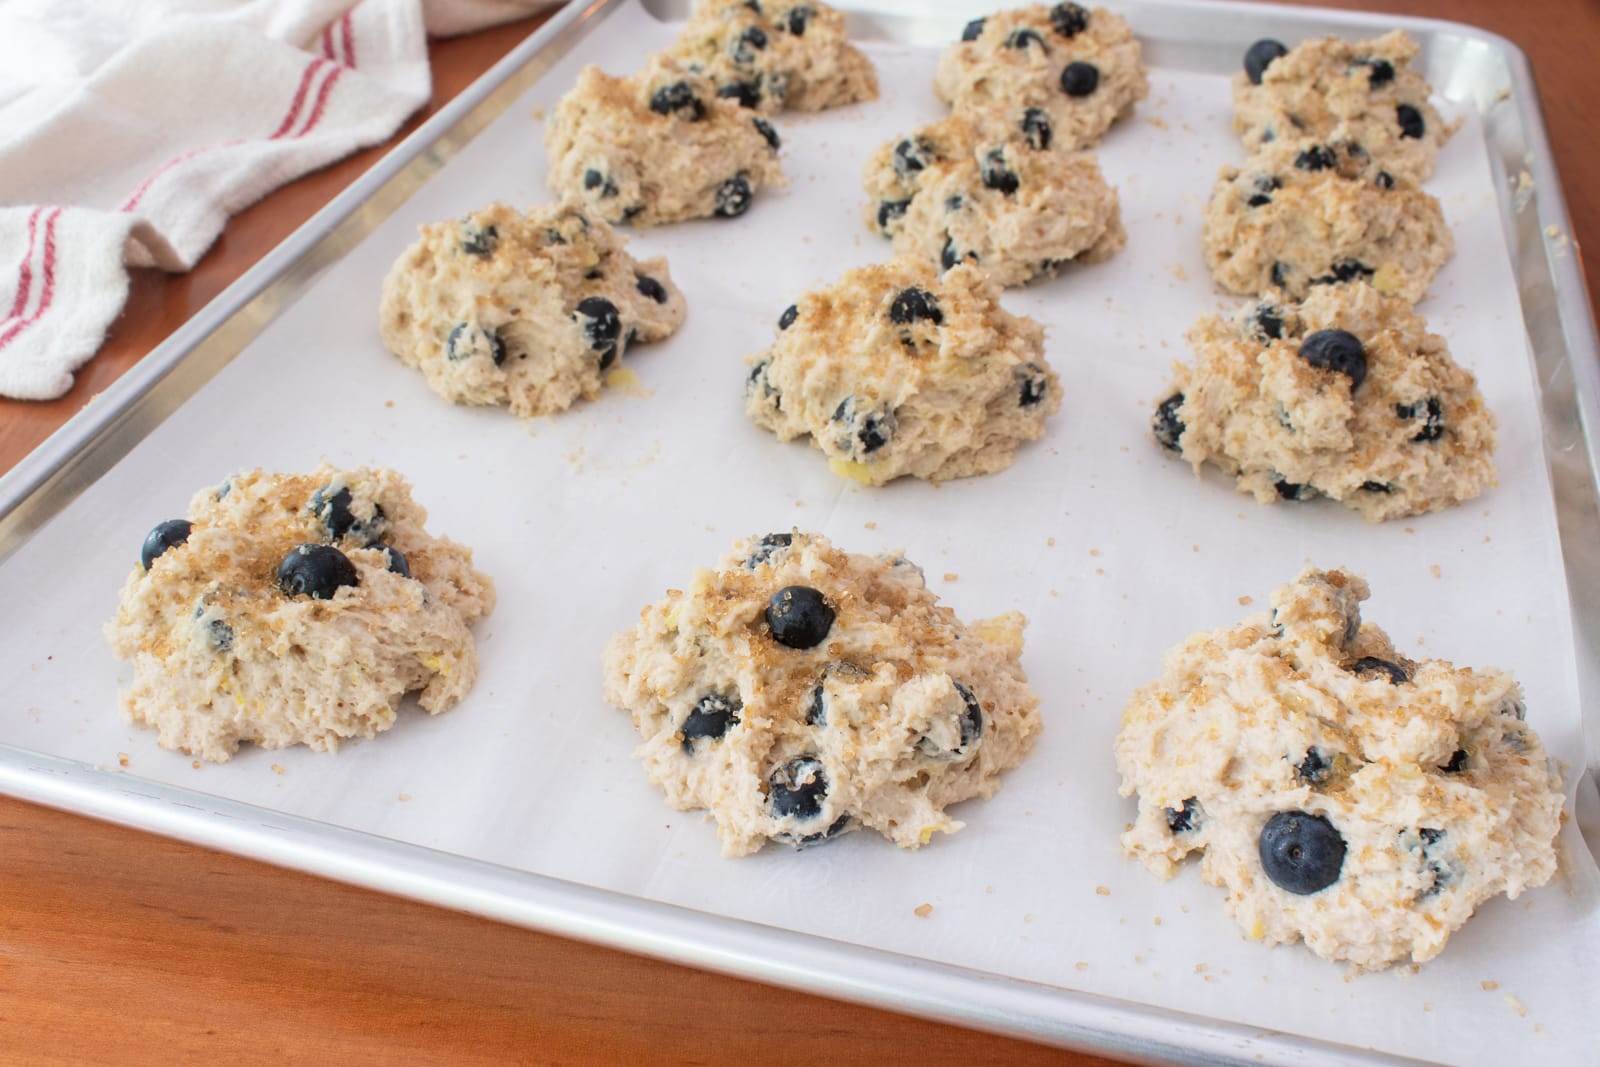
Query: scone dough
(887,711)
(1013,201)
(1405,431)
(1361,93)
(524,311)
(1303,213)
(1014,60)
(222,654)
(1307,719)
(773,54)
(658,146)
(897,370)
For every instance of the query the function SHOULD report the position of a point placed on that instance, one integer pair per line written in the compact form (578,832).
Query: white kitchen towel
(129,132)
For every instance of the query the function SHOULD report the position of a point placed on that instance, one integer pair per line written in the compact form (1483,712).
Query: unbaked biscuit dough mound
(1362,93)
(296,609)
(524,311)
(1300,214)
(797,692)
(897,370)
(658,146)
(1013,201)
(1082,67)
(1345,395)
(771,54)
(1339,791)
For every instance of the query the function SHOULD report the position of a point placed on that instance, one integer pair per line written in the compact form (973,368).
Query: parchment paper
(1113,550)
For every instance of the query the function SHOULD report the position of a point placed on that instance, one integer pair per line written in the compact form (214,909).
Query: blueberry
(889,210)
(912,304)
(1032,385)
(397,561)
(1432,415)
(1458,762)
(164,536)
(315,570)
(602,328)
(816,710)
(1336,350)
(1279,274)
(971,730)
(1036,128)
(594,274)
(1315,768)
(219,635)
(733,197)
(797,788)
(1373,665)
(747,93)
(764,128)
(949,256)
(678,97)
(1288,490)
(1167,425)
(790,313)
(972,30)
(1268,321)
(766,547)
(710,719)
(1182,820)
(1069,19)
(1025,38)
(1384,180)
(1264,185)
(1317,157)
(840,825)
(468,339)
(744,47)
(1441,874)
(480,240)
(650,287)
(759,378)
(1380,72)
(1410,119)
(797,20)
(1302,853)
(1377,487)
(1080,78)
(996,175)
(333,511)
(1259,56)
(954,203)
(799,617)
(1343,271)
(912,155)
(593,179)
(875,432)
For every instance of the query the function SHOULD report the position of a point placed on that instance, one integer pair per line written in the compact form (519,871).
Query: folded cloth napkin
(129,132)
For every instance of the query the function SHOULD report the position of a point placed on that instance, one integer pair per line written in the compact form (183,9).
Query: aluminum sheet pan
(1039,926)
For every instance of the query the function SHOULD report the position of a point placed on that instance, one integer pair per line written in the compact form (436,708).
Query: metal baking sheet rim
(1550,278)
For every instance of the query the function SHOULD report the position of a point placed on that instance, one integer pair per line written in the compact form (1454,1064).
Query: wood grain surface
(119,946)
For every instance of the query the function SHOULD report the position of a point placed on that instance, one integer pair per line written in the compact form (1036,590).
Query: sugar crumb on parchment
(1517,1006)
(388,403)
(122,759)
(951,576)
(1081,965)
(1094,552)
(870,525)
(277,768)
(1049,542)
(1434,569)
(1102,890)
(922,911)
(1246,601)
(1489,985)
(403,797)
(195,764)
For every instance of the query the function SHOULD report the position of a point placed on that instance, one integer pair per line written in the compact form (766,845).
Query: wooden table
(116,945)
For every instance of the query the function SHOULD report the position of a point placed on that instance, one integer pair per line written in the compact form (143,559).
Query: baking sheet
(583,518)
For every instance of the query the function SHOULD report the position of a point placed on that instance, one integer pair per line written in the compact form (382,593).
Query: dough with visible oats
(1437,795)
(897,370)
(1082,67)
(1009,198)
(526,311)
(891,713)
(1409,434)
(1299,214)
(658,146)
(771,55)
(1361,93)
(222,654)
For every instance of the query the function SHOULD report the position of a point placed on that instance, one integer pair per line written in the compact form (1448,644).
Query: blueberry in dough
(1269,321)
(602,326)
(1167,425)
(816,710)
(1380,72)
(1411,122)
(1036,128)
(164,536)
(1458,762)
(1259,56)
(911,156)
(462,343)
(478,240)
(1182,820)
(767,546)
(797,788)
(1079,79)
(972,30)
(1032,384)
(790,313)
(650,287)
(996,175)
(710,719)
(1315,767)
(678,98)
(764,128)
(748,93)
(317,571)
(747,44)
(912,303)
(799,616)
(1025,38)
(1317,157)
(733,197)
(798,18)
(1373,665)
(333,511)
(970,725)
(1069,19)
(397,561)
(891,209)
(1302,853)
(1432,414)
(1336,350)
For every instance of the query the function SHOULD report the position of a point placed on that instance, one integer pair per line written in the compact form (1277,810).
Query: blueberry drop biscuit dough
(659,146)
(1082,68)
(897,370)
(528,311)
(1345,395)
(776,54)
(1342,793)
(1360,93)
(295,609)
(797,692)
(1010,198)
(1306,213)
